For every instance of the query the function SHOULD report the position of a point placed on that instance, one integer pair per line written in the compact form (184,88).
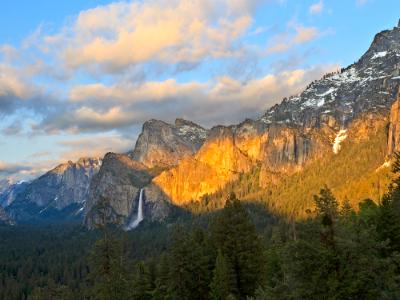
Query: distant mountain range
(342,130)
(60,193)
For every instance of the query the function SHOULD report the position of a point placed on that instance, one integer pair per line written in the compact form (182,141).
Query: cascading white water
(139,218)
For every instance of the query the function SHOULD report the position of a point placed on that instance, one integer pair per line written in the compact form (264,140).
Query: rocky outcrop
(230,151)
(216,163)
(118,184)
(65,185)
(394,127)
(163,145)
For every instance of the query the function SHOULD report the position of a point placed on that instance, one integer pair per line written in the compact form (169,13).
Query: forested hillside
(238,252)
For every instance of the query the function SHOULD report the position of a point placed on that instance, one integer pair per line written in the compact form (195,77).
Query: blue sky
(78,78)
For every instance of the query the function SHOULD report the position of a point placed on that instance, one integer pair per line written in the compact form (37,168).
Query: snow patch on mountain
(379,54)
(193,132)
(330,91)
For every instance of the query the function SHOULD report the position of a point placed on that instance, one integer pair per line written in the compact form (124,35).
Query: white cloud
(96,108)
(118,35)
(120,46)
(95,146)
(316,8)
(284,41)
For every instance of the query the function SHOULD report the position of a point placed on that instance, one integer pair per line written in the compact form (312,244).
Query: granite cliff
(183,162)
(163,145)
(118,183)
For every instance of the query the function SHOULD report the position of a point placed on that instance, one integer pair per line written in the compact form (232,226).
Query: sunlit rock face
(217,162)
(394,127)
(118,183)
(230,151)
(163,145)
(342,107)
(299,129)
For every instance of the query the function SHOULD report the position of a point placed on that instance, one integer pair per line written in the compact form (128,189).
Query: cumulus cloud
(7,169)
(296,35)
(13,129)
(119,35)
(18,91)
(25,170)
(316,8)
(98,107)
(41,162)
(15,172)
(96,146)
(117,47)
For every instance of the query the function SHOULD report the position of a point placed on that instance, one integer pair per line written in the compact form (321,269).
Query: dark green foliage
(338,256)
(107,270)
(191,262)
(238,252)
(224,282)
(142,282)
(236,237)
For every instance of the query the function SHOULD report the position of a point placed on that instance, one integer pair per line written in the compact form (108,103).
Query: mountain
(119,182)
(300,129)
(60,192)
(368,85)
(160,146)
(341,130)
(163,145)
(9,191)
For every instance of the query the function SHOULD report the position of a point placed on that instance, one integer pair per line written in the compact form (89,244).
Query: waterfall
(139,217)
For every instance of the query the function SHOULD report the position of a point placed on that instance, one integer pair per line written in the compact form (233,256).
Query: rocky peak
(384,41)
(8,193)
(59,188)
(335,100)
(162,145)
(119,181)
(191,132)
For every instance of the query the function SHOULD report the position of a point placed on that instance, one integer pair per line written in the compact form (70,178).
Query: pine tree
(162,278)
(107,264)
(191,261)
(182,282)
(236,237)
(327,208)
(388,226)
(203,258)
(142,285)
(224,279)
(107,270)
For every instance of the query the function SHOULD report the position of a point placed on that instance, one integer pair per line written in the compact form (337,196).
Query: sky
(79,78)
